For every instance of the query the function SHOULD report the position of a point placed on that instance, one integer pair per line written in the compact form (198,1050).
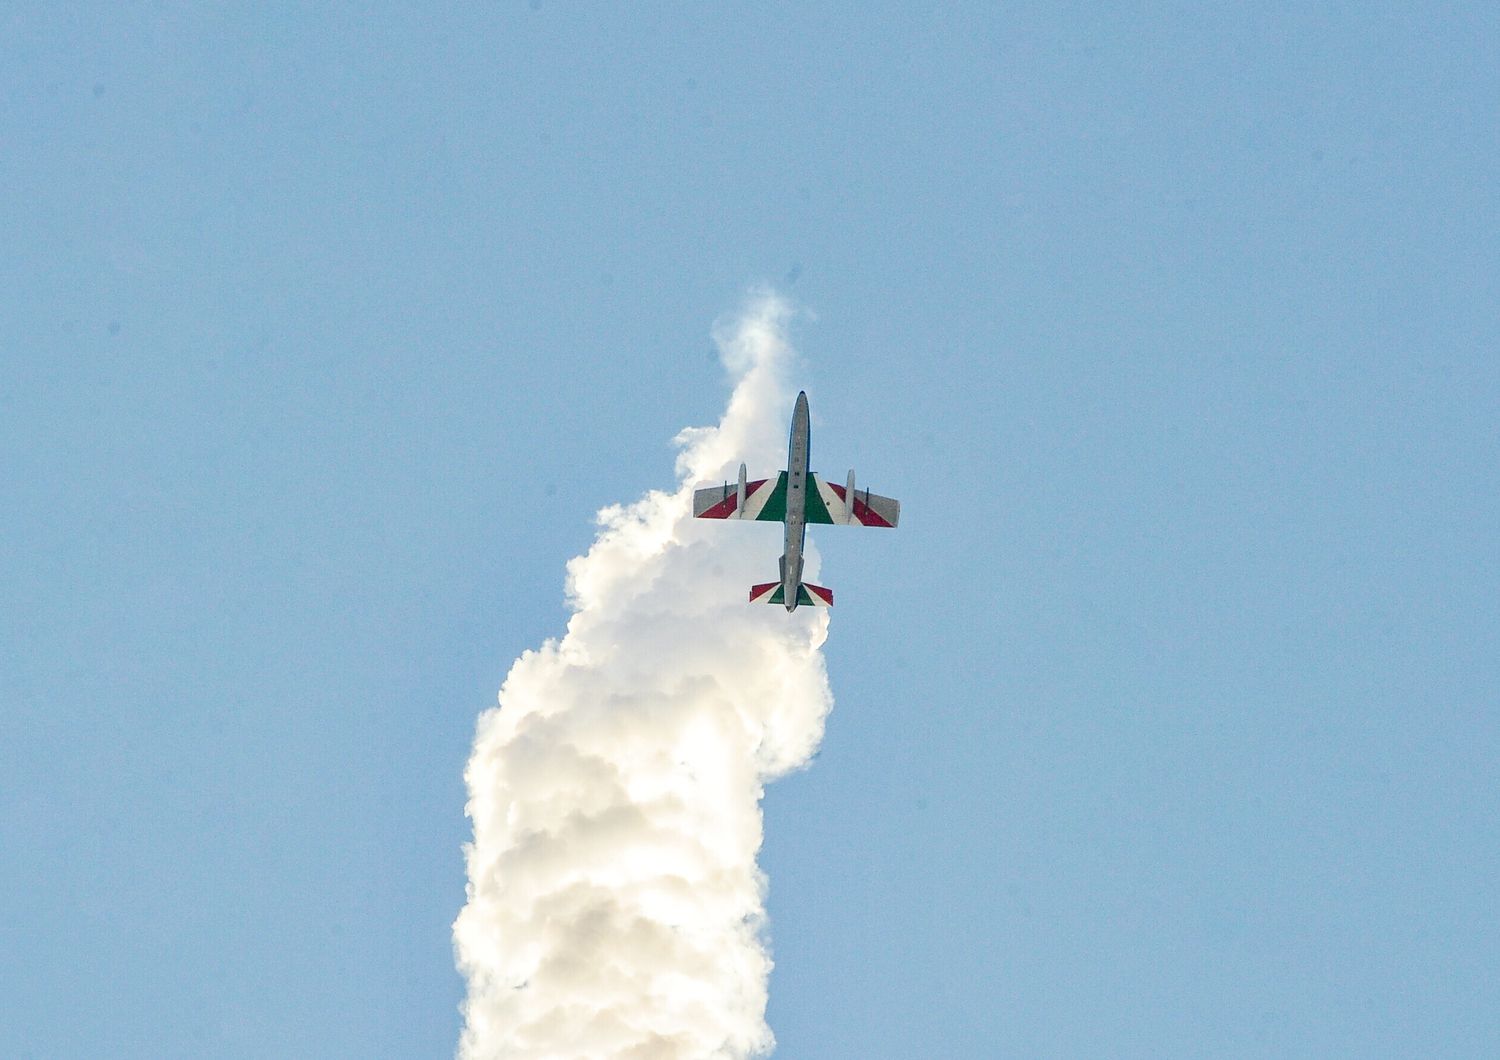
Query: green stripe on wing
(774,510)
(817,508)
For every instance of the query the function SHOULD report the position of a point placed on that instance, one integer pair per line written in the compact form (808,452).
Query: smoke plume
(615,908)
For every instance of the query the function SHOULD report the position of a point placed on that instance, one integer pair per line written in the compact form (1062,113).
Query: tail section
(814,595)
(807,595)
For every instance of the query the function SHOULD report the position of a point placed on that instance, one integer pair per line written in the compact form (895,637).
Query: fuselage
(796,502)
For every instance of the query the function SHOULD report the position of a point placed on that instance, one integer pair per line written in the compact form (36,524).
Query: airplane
(795,497)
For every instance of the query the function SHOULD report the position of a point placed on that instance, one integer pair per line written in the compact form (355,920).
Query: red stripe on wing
(865,514)
(723,510)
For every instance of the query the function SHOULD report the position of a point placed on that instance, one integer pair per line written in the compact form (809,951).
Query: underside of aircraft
(797,497)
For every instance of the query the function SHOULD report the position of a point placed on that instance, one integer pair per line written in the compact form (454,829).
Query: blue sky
(1165,725)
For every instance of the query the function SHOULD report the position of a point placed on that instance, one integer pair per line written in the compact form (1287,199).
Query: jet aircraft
(795,497)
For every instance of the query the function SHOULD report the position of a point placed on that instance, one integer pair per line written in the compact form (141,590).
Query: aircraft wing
(765,500)
(828,503)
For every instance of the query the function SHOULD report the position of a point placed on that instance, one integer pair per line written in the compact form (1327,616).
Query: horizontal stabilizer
(807,595)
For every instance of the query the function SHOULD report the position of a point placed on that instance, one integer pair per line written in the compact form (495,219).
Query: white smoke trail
(614,905)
